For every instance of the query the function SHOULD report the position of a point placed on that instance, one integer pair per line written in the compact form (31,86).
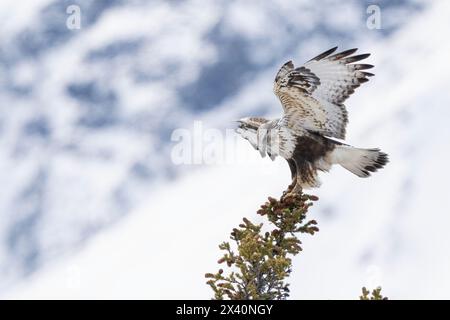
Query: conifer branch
(261,261)
(374,295)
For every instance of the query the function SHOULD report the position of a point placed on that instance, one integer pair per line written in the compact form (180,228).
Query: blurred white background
(92,205)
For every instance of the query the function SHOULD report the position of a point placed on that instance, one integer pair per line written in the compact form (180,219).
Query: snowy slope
(389,230)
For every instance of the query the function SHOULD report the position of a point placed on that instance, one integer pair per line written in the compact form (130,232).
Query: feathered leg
(297,187)
(305,178)
(294,189)
(291,187)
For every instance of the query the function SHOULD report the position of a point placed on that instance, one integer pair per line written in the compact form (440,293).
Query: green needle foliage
(374,295)
(260,261)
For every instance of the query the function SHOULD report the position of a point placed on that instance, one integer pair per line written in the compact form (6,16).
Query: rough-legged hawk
(313,98)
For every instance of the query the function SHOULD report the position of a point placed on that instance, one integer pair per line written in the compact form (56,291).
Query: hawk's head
(250,123)
(248,129)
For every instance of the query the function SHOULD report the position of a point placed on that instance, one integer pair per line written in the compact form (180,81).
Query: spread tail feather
(360,161)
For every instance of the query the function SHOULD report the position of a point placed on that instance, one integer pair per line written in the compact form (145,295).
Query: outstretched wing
(339,76)
(313,95)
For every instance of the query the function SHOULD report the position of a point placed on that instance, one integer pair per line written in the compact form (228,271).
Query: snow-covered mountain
(92,204)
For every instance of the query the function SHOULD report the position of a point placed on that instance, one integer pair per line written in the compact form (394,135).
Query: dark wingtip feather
(324,54)
(363,66)
(368,74)
(363,80)
(356,58)
(343,54)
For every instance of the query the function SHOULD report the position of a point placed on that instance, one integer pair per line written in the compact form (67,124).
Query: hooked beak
(240,123)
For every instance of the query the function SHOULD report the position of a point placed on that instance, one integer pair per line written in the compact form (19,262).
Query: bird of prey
(312,97)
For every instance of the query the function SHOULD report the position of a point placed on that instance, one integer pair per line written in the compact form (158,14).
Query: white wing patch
(338,76)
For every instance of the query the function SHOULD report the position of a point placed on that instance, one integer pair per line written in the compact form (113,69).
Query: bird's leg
(294,189)
(297,189)
(289,189)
